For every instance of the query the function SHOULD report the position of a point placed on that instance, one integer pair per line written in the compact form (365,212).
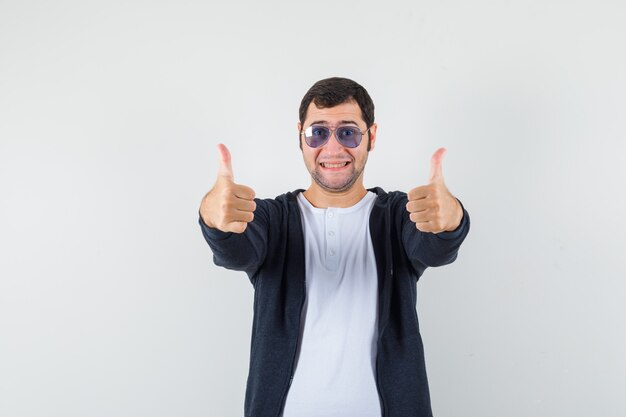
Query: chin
(335,187)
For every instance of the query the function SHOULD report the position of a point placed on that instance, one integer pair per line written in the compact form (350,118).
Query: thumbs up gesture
(228,207)
(432,207)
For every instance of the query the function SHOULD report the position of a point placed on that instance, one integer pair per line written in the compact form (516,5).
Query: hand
(228,207)
(432,207)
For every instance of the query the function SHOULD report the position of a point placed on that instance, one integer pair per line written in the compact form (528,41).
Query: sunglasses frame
(333,131)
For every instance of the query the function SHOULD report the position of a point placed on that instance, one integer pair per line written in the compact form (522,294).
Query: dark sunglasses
(349,136)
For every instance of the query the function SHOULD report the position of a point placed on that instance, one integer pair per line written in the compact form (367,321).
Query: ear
(373,130)
(299,135)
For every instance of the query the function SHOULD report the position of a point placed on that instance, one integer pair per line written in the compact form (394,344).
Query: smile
(337,165)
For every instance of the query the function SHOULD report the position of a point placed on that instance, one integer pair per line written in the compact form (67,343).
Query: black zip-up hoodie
(271,252)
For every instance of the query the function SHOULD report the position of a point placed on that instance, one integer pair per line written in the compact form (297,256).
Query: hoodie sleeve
(432,249)
(240,251)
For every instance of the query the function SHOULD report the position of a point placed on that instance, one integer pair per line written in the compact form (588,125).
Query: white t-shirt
(335,371)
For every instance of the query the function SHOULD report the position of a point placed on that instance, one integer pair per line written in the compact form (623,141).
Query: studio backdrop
(110,113)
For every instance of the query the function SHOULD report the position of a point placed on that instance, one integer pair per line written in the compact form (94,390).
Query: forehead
(344,111)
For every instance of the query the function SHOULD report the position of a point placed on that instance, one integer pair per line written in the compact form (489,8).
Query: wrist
(206,221)
(458,217)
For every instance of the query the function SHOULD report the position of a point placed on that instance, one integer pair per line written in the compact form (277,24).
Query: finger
(436,173)
(417,206)
(236,227)
(244,192)
(426,227)
(418,193)
(225,169)
(245,205)
(240,216)
(420,217)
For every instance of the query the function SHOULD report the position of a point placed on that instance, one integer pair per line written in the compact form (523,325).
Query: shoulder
(282,199)
(283,202)
(391,199)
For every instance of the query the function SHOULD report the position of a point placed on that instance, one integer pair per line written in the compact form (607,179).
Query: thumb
(226,169)
(436,173)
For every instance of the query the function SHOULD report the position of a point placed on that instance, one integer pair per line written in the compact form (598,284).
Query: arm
(239,251)
(434,249)
(236,236)
(434,222)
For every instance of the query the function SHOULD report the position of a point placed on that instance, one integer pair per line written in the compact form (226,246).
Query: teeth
(326,165)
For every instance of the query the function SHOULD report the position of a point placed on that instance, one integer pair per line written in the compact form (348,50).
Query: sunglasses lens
(350,137)
(316,136)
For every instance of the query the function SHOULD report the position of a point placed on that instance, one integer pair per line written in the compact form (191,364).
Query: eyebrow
(341,122)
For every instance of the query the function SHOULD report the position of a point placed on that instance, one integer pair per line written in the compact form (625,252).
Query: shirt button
(332,252)
(331,233)
(330,215)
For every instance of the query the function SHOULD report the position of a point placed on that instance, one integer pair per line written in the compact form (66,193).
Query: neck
(321,198)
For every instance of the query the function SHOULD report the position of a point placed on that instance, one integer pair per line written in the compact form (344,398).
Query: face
(334,167)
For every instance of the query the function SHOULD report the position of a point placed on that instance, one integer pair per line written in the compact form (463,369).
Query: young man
(334,267)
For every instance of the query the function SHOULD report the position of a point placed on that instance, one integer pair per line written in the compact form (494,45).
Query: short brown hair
(334,91)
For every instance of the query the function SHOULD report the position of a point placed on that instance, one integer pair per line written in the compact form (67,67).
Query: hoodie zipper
(295,353)
(389,277)
(380,394)
(378,383)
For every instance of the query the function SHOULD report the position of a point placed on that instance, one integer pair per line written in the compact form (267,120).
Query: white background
(110,113)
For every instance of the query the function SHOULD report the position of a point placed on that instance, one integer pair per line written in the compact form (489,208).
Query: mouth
(334,165)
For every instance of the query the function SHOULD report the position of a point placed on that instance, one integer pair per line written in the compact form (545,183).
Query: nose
(333,142)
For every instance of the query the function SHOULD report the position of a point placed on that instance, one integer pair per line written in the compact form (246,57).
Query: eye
(347,132)
(319,132)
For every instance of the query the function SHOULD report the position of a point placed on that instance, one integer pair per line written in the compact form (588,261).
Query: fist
(228,207)
(432,207)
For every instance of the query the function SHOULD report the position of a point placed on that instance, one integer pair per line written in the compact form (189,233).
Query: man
(334,268)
